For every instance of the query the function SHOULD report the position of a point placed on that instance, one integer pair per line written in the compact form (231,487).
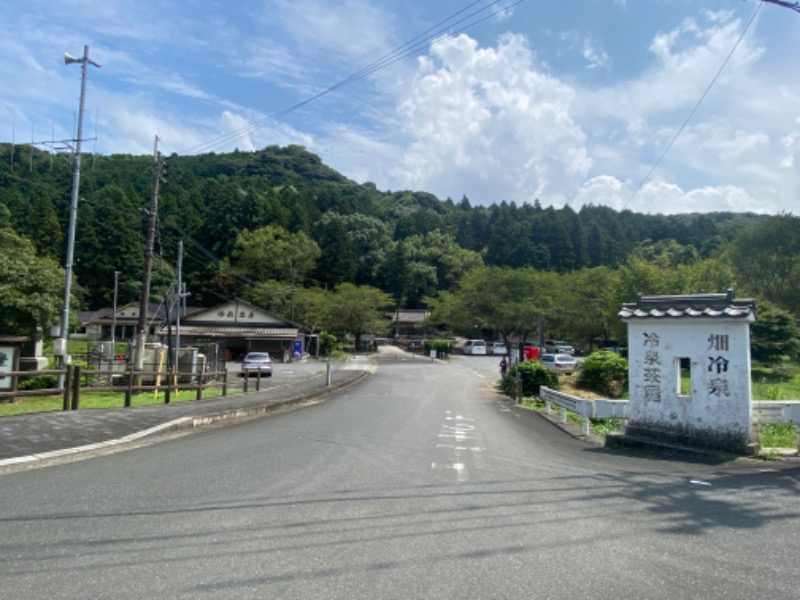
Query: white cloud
(486,123)
(596,57)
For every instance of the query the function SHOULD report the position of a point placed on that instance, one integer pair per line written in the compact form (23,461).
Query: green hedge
(441,346)
(604,372)
(533,375)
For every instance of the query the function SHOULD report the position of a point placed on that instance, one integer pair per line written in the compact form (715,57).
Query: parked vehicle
(558,347)
(560,363)
(499,348)
(255,363)
(474,347)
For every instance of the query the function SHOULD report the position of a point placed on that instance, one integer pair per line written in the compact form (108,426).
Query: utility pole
(180,296)
(114,317)
(141,333)
(60,344)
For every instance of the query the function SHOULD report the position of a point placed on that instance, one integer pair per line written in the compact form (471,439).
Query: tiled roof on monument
(718,306)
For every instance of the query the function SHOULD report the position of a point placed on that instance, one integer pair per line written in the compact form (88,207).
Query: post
(144,303)
(328,374)
(76,387)
(113,355)
(129,390)
(61,345)
(67,386)
(179,268)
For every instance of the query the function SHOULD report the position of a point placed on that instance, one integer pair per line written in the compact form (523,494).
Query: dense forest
(263,225)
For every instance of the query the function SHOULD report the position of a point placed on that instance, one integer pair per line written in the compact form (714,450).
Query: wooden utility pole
(141,333)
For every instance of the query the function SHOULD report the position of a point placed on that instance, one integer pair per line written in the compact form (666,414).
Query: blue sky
(565,102)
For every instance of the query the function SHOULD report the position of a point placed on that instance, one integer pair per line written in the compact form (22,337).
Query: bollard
(328,374)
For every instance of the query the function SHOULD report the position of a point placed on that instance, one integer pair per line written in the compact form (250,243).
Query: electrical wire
(683,126)
(406,50)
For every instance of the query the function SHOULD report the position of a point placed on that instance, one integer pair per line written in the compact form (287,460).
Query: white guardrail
(775,413)
(763,412)
(587,409)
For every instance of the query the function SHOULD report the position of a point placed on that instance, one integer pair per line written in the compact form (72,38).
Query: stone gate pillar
(705,338)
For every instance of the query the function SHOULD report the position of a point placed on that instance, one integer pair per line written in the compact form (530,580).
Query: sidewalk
(37,436)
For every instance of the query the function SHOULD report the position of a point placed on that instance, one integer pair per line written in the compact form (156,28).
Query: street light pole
(60,345)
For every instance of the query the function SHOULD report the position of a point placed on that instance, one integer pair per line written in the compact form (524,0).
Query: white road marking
(460,429)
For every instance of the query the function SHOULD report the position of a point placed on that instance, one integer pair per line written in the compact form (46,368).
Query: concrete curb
(190,422)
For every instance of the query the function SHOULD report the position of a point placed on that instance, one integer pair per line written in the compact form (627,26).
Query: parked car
(560,363)
(474,347)
(558,347)
(499,348)
(257,363)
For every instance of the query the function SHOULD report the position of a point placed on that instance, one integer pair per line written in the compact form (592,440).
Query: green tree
(271,252)
(508,301)
(775,336)
(31,287)
(355,310)
(337,262)
(422,265)
(586,306)
(110,238)
(767,260)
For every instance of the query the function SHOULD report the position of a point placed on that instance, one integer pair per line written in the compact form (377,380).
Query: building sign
(234,315)
(6,366)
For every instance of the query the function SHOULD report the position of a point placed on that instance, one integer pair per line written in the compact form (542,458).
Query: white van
(475,347)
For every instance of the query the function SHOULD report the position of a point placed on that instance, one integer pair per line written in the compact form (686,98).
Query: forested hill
(280,215)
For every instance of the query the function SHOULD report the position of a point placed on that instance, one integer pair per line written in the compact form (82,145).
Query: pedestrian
(503,367)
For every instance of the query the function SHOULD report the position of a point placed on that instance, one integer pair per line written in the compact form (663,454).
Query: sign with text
(6,365)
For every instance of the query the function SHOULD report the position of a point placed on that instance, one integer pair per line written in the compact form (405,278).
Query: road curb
(189,422)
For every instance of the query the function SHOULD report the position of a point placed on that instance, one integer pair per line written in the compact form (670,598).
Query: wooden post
(67,386)
(76,387)
(225,382)
(129,391)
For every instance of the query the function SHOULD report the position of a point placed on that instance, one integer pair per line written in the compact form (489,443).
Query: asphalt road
(420,483)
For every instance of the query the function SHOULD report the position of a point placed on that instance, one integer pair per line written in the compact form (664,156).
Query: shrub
(37,382)
(604,372)
(533,375)
(327,342)
(441,346)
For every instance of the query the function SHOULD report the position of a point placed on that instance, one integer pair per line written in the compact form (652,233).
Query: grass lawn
(101,399)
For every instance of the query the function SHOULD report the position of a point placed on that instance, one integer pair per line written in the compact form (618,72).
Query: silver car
(257,363)
(560,363)
(498,348)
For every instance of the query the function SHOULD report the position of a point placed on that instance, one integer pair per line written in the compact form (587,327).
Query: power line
(696,106)
(410,48)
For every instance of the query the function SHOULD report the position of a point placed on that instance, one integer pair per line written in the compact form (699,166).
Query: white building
(689,369)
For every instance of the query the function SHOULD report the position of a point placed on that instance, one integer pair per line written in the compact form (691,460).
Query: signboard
(6,365)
